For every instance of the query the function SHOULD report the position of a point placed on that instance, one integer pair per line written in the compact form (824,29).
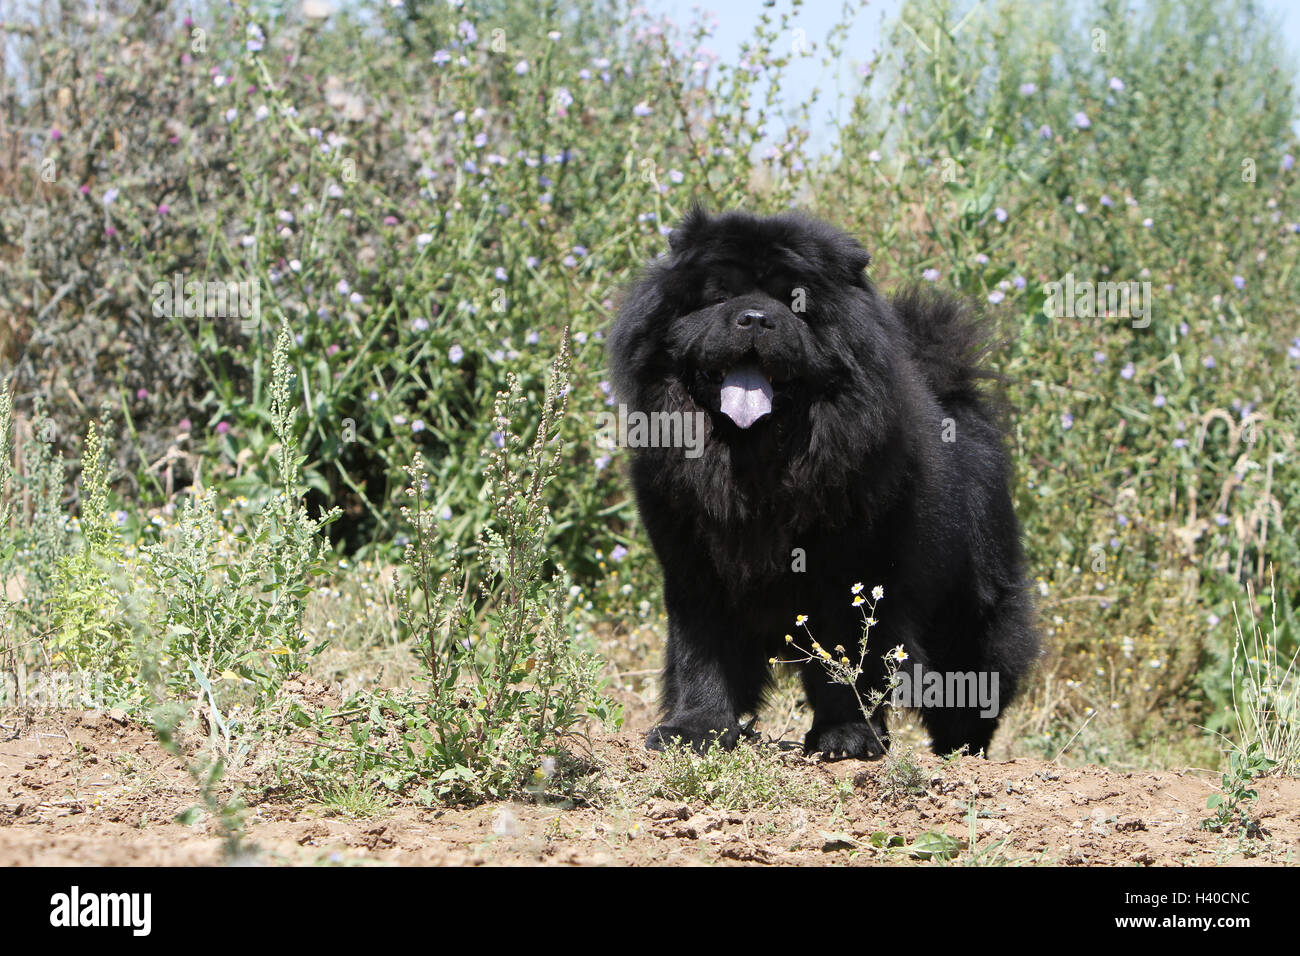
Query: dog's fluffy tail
(949,341)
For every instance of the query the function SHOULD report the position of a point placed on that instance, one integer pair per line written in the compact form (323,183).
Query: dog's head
(752,316)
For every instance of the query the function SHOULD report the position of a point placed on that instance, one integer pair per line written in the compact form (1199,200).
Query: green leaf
(934,845)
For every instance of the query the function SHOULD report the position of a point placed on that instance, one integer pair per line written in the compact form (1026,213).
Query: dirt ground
(93,789)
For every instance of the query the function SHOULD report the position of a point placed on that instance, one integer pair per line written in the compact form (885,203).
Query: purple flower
(1067,421)
(1158,401)
(1239,282)
(1028,89)
(642,109)
(1044,132)
(1287,161)
(498,439)
(1106,200)
(223,427)
(1099,358)
(1208,361)
(930,275)
(420,324)
(142,393)
(619,553)
(521,67)
(1116,84)
(455,353)
(1018,282)
(1081,120)
(1000,214)
(996,296)
(56,134)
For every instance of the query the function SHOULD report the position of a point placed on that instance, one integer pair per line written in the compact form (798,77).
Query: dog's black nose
(747,318)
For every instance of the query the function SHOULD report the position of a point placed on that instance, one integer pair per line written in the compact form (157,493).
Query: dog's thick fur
(879,461)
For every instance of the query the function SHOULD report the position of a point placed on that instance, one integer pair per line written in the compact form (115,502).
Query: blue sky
(736,20)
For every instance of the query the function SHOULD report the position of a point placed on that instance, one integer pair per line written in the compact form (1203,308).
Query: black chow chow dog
(841,439)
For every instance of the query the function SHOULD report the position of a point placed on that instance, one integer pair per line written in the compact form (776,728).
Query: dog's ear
(855,259)
(695,219)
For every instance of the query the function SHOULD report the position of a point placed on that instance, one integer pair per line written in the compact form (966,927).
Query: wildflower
(857,588)
(1081,120)
(455,354)
(877,593)
(801,620)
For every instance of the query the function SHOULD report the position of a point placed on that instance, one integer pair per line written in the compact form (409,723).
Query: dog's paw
(697,737)
(851,739)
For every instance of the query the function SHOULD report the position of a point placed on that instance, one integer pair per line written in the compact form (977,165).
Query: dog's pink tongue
(746,395)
